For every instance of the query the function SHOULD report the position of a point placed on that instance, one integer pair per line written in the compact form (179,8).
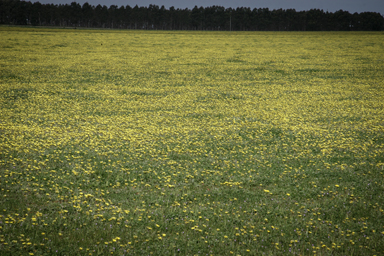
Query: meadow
(191,143)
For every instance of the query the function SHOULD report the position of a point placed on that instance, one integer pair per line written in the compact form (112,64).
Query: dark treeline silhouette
(16,12)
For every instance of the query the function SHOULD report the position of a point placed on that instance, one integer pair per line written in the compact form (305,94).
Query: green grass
(206,144)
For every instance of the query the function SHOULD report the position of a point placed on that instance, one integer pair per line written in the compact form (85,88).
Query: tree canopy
(16,12)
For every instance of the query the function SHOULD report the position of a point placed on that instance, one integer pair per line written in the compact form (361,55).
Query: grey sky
(351,6)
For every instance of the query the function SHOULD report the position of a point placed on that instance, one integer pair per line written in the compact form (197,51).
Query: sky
(351,6)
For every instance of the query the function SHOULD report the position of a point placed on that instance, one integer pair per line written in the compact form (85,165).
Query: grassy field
(191,143)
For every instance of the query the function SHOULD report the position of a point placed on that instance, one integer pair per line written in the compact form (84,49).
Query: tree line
(16,12)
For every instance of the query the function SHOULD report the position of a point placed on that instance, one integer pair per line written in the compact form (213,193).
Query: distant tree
(162,17)
(75,14)
(195,18)
(37,14)
(220,17)
(316,20)
(291,21)
(87,12)
(341,20)
(278,20)
(19,12)
(113,16)
(370,21)
(264,20)
(127,16)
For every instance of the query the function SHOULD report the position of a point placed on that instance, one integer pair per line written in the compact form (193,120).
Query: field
(191,143)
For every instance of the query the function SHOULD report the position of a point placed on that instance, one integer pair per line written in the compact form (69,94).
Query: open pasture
(191,143)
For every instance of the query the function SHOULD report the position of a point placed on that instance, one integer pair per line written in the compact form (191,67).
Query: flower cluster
(148,142)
